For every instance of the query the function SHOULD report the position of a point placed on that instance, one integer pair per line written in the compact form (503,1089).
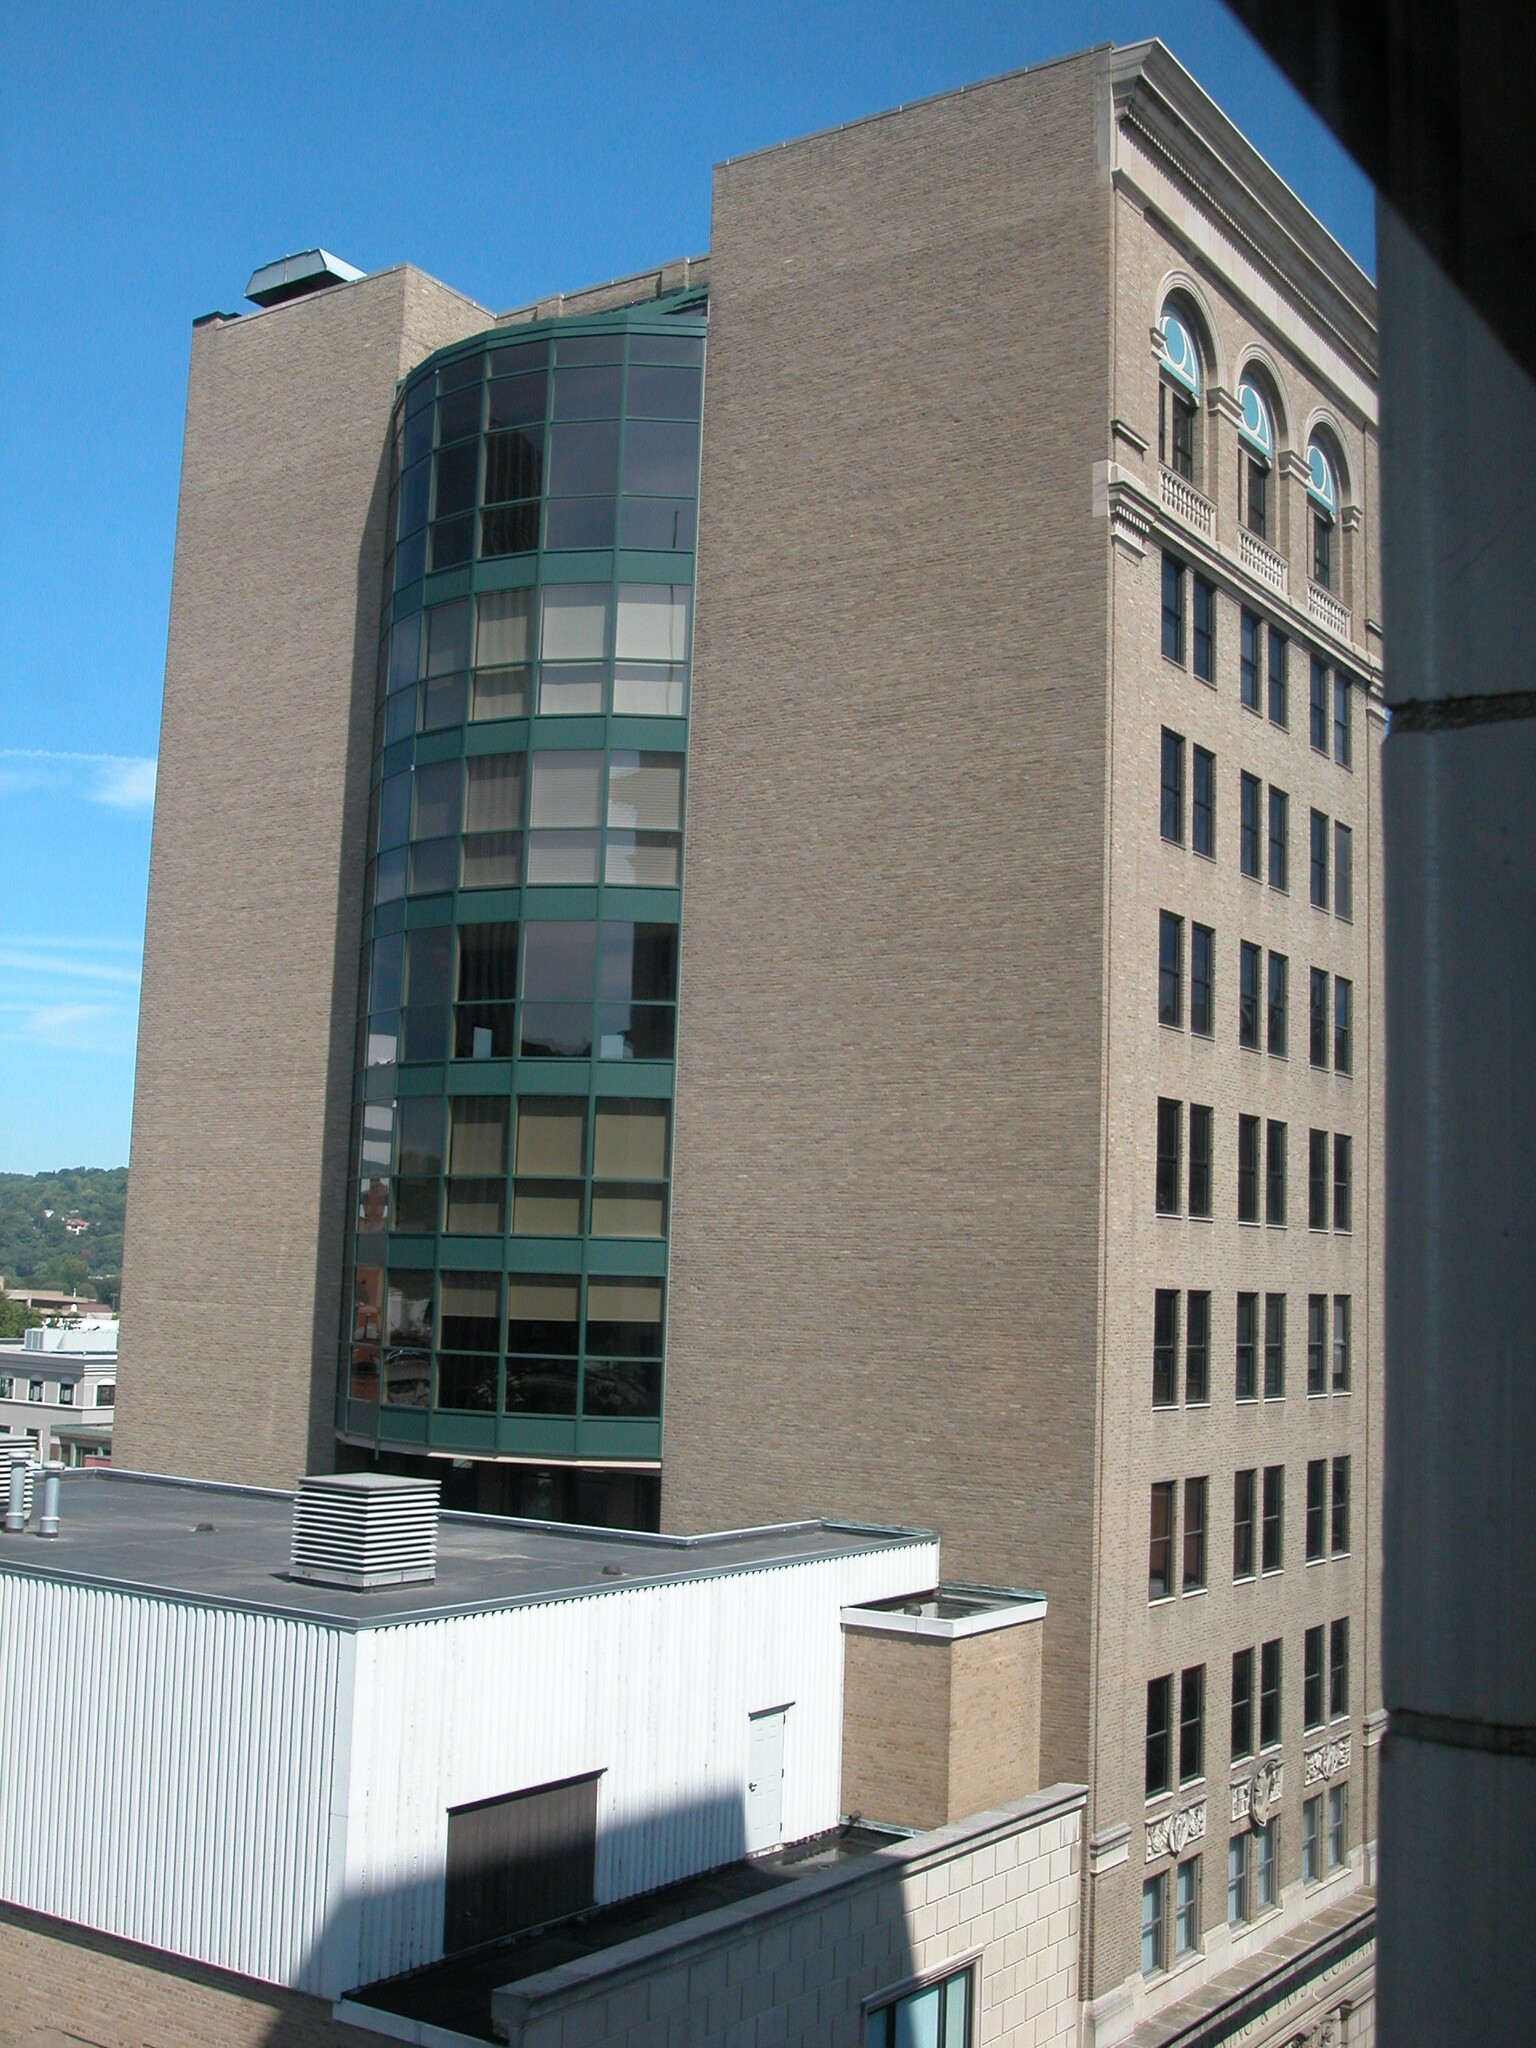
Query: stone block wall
(797,1968)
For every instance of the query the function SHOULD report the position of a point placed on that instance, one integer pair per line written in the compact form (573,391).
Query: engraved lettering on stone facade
(1172,1834)
(1331,1760)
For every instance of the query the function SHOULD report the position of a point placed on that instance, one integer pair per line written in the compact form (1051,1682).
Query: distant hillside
(36,1250)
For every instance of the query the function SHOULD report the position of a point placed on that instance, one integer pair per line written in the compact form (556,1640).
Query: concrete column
(1458,1786)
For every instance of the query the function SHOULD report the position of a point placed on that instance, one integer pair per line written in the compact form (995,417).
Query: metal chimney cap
(295,277)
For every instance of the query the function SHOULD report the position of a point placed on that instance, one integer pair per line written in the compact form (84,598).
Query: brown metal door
(520,1860)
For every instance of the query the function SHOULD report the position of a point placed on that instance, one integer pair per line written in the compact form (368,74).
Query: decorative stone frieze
(1329,1760)
(1172,1833)
(1257,1797)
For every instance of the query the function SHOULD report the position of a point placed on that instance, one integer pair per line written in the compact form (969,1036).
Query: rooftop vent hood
(295,277)
(364,1530)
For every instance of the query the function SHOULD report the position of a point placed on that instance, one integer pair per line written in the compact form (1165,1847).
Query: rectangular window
(1244,1510)
(1205,630)
(1343,873)
(1247,1347)
(1242,1704)
(1319,706)
(1272,1557)
(1266,1875)
(1159,1735)
(1257,519)
(1312,1678)
(1341,1343)
(1317,1509)
(1238,1912)
(1338,1668)
(1202,980)
(1186,1912)
(1160,1542)
(1170,968)
(1247,1169)
(937,2016)
(1274,1347)
(1343,721)
(1274,1173)
(1201,1127)
(1279,690)
(1170,1127)
(1279,1005)
(1194,1535)
(1317,1180)
(1322,548)
(1317,1343)
(1249,971)
(1269,1693)
(1343,1179)
(1203,818)
(1250,797)
(1312,1840)
(1343,1025)
(1165,1348)
(1338,1811)
(1317,1018)
(1173,609)
(1192,1724)
(1173,788)
(1279,839)
(1319,860)
(1249,665)
(1197,1349)
(1153,1937)
(1339,1520)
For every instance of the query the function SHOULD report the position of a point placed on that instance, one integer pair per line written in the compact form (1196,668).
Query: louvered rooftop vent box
(364,1530)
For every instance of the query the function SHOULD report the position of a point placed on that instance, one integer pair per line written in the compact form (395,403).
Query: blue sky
(152,155)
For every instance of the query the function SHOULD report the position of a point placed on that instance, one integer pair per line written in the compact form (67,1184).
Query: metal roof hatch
(295,277)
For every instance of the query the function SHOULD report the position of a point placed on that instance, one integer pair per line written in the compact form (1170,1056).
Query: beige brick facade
(65,1987)
(242,1104)
(915,1249)
(936,1729)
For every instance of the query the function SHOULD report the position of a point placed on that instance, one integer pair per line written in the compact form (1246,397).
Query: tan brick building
(1022,1143)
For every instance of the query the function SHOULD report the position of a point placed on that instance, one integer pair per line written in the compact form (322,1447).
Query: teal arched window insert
(1178,395)
(1256,436)
(1322,489)
(1256,428)
(1181,358)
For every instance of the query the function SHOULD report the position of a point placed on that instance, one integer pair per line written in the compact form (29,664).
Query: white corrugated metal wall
(169,1772)
(271,1795)
(650,1685)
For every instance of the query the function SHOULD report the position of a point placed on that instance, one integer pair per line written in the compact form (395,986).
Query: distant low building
(51,1302)
(58,1389)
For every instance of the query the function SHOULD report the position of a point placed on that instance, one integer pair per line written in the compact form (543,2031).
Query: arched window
(1178,392)
(1323,504)
(1256,438)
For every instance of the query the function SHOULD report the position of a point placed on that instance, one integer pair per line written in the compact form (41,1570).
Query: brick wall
(61,1984)
(242,1100)
(885,1239)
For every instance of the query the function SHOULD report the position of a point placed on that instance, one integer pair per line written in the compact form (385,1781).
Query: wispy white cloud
(121,782)
(95,1028)
(55,967)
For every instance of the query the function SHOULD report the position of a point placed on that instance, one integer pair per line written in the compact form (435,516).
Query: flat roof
(456,1993)
(228,1546)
